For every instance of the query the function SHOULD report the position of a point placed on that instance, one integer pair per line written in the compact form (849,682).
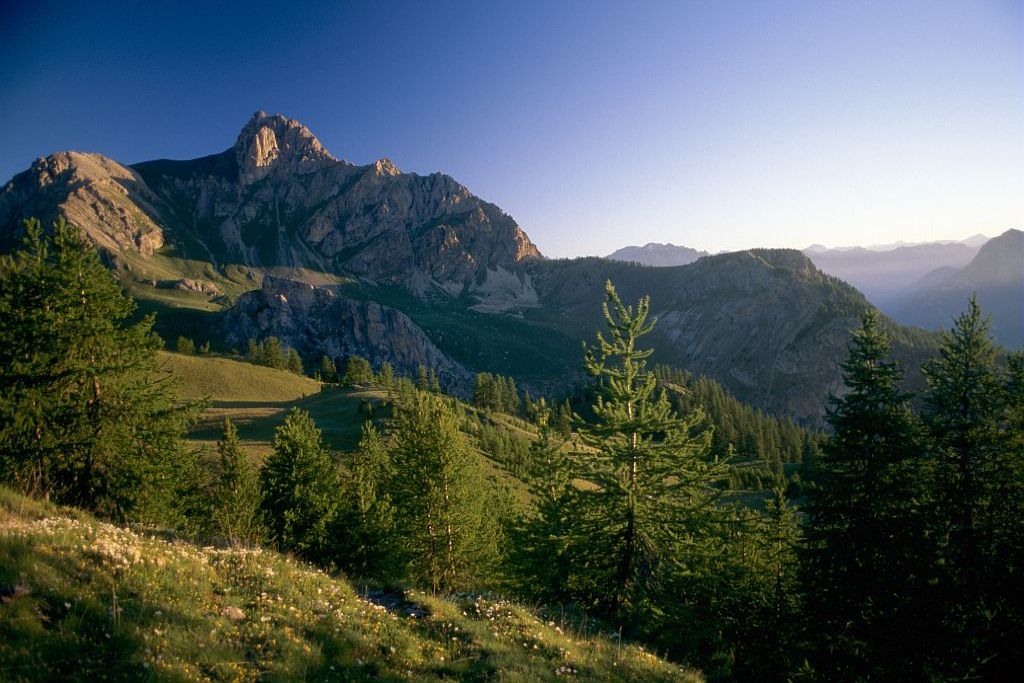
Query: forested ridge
(897,554)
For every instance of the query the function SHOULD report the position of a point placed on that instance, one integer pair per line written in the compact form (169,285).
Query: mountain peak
(657,254)
(268,141)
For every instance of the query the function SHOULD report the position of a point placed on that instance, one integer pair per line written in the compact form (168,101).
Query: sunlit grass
(89,600)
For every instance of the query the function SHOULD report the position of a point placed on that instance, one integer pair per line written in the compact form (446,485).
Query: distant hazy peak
(974,242)
(269,141)
(656,254)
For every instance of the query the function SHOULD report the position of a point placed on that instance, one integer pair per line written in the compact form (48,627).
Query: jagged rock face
(109,201)
(275,144)
(278,198)
(318,320)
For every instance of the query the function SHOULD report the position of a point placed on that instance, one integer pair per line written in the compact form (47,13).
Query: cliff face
(318,320)
(278,198)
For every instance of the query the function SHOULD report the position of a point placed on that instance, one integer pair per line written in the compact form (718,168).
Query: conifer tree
(387,375)
(865,530)
(299,482)
(447,531)
(653,503)
(365,527)
(273,353)
(769,635)
(358,371)
(87,417)
(546,541)
(234,494)
(965,414)
(294,362)
(422,383)
(328,371)
(482,389)
(185,346)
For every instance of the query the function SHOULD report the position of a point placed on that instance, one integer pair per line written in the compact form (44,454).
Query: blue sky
(718,125)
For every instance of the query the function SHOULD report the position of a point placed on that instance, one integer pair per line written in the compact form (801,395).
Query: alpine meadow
(269,414)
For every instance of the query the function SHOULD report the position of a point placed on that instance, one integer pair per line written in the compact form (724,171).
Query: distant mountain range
(275,235)
(886,274)
(995,274)
(927,284)
(658,255)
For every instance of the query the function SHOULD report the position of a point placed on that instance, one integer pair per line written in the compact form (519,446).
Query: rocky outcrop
(109,201)
(318,320)
(274,144)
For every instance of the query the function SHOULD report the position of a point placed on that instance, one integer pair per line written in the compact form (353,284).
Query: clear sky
(717,125)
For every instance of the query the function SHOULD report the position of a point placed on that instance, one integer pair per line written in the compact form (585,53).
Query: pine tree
(273,353)
(358,371)
(653,502)
(328,371)
(386,376)
(234,494)
(545,559)
(421,379)
(299,482)
(365,525)
(294,362)
(965,409)
(865,528)
(447,531)
(185,346)
(87,416)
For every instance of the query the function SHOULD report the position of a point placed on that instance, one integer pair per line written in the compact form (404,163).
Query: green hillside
(86,600)
(223,379)
(257,399)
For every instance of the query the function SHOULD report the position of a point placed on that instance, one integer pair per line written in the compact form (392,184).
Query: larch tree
(299,481)
(234,493)
(87,416)
(545,560)
(448,534)
(364,529)
(650,502)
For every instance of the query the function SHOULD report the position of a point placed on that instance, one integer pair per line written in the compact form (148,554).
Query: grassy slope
(258,398)
(97,601)
(223,379)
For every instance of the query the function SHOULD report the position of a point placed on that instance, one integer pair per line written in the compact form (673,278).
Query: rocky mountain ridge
(276,236)
(278,198)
